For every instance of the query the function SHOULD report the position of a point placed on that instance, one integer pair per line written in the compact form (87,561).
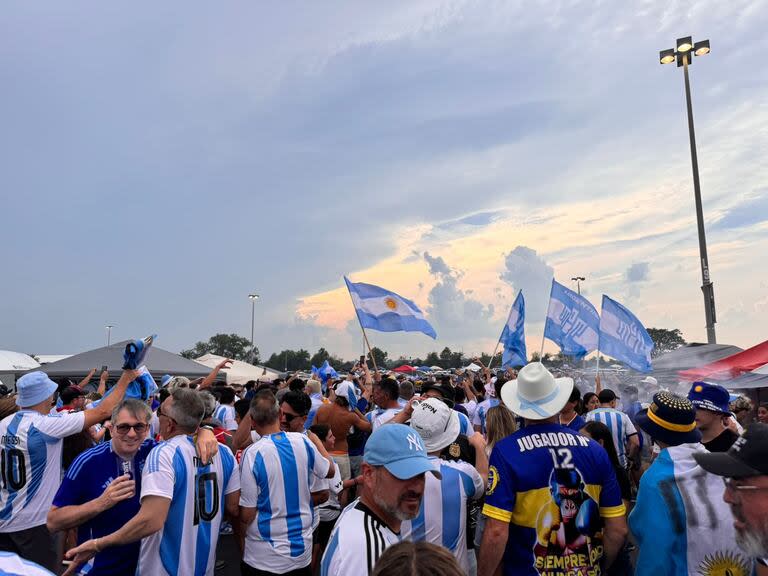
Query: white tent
(240,372)
(13,363)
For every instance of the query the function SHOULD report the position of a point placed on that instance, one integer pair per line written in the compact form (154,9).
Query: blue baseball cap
(400,450)
(33,388)
(711,397)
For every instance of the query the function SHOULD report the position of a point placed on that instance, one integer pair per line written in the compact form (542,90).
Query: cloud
(527,271)
(751,211)
(455,315)
(638,272)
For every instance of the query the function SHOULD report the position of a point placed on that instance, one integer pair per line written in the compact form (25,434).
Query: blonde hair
(499,424)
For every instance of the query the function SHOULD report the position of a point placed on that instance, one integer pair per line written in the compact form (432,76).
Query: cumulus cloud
(455,315)
(638,272)
(525,270)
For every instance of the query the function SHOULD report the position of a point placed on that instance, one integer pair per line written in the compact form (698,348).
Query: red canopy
(731,366)
(404,368)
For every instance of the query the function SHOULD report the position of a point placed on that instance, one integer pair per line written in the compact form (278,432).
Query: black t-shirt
(722,442)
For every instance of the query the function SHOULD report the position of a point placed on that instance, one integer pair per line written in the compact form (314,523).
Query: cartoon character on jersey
(566,525)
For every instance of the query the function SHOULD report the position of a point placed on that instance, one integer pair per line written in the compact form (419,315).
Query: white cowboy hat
(536,394)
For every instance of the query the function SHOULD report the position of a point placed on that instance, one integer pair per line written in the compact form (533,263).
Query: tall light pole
(252,298)
(682,54)
(109,333)
(578,280)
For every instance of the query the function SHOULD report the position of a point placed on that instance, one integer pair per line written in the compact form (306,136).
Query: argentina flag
(513,335)
(623,337)
(572,322)
(380,309)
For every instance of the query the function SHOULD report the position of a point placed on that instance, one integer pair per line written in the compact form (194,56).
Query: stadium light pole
(253,298)
(109,333)
(578,280)
(682,55)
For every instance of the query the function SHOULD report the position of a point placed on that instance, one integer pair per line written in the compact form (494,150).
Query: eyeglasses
(123,429)
(730,483)
(289,417)
(161,413)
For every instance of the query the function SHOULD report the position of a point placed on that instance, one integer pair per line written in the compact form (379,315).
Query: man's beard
(754,542)
(394,511)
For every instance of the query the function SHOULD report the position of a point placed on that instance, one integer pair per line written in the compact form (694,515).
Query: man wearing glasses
(101,489)
(744,469)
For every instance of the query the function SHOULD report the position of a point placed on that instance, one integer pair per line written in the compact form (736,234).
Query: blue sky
(160,162)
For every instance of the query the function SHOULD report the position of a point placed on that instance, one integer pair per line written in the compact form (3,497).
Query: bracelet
(96,544)
(206,427)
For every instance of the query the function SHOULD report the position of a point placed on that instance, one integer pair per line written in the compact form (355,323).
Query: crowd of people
(474,473)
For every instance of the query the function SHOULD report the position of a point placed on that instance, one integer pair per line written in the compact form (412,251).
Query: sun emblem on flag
(724,564)
(390,302)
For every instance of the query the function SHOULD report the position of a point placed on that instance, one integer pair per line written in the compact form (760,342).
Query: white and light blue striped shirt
(442,518)
(481,413)
(30,465)
(276,474)
(186,544)
(620,426)
(226,415)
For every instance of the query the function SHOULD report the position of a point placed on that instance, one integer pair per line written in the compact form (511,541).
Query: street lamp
(682,54)
(109,333)
(252,298)
(578,280)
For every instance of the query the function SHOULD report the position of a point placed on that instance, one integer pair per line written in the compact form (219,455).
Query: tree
(290,360)
(665,340)
(380,356)
(433,359)
(227,345)
(319,357)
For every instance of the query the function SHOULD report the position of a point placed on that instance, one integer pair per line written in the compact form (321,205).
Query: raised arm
(84,381)
(103,382)
(211,378)
(108,404)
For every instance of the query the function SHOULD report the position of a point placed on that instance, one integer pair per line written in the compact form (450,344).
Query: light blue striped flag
(513,335)
(380,309)
(572,322)
(623,336)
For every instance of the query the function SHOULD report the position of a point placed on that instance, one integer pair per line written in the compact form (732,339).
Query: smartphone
(362,359)
(104,368)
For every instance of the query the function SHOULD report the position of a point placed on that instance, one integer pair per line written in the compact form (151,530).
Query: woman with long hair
(600,433)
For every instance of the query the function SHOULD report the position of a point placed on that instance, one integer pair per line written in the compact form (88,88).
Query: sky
(159,162)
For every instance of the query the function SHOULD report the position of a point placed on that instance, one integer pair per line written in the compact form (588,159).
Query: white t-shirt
(276,474)
(357,541)
(30,461)
(186,544)
(330,509)
(384,416)
(442,518)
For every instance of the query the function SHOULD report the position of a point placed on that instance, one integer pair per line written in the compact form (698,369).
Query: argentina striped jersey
(30,465)
(186,544)
(442,518)
(619,424)
(276,474)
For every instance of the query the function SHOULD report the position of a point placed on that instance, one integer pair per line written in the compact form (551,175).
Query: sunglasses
(123,429)
(161,413)
(290,417)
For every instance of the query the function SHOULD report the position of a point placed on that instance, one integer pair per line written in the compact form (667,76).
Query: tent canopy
(667,366)
(158,362)
(731,366)
(16,362)
(404,369)
(240,372)
(747,381)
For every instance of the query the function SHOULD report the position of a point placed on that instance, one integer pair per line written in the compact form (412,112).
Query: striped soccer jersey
(619,424)
(30,465)
(442,518)
(226,415)
(186,544)
(276,474)
(482,413)
(357,541)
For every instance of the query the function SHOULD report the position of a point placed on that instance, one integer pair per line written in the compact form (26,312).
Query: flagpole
(544,334)
(365,336)
(597,373)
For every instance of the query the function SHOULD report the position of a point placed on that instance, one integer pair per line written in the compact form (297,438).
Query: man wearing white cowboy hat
(552,498)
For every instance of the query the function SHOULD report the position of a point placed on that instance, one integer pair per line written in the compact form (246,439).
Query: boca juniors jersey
(553,487)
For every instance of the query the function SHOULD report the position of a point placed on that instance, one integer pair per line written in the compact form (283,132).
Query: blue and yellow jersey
(553,486)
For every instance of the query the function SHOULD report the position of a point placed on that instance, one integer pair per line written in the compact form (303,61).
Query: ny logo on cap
(414,441)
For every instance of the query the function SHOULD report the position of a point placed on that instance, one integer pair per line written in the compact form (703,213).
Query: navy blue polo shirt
(86,479)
